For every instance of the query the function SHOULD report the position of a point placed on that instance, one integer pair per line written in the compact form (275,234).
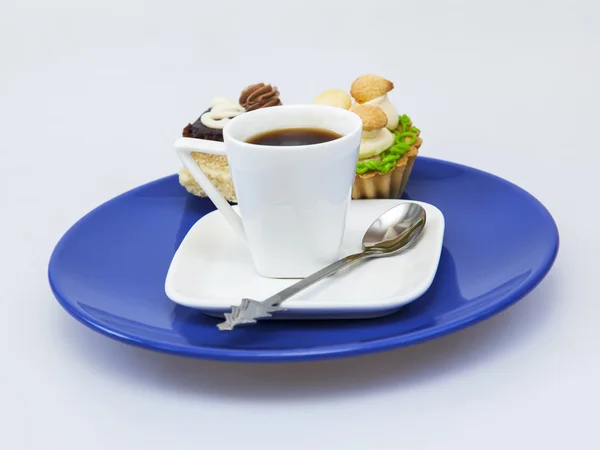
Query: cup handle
(184,147)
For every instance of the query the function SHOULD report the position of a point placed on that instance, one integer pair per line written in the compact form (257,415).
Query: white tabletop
(91,99)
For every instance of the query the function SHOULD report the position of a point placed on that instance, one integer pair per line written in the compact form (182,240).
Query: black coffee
(293,136)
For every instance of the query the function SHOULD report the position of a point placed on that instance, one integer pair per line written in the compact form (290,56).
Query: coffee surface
(294,136)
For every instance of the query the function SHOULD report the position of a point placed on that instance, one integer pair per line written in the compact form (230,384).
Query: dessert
(334,97)
(259,95)
(210,125)
(386,174)
(390,143)
(373,90)
(375,136)
(211,122)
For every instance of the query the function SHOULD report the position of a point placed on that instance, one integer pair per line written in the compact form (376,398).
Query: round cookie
(373,117)
(334,97)
(369,87)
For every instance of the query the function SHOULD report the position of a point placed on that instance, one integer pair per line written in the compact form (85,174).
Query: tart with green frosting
(389,144)
(386,175)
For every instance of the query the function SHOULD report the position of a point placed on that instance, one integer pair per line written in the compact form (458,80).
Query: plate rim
(336,351)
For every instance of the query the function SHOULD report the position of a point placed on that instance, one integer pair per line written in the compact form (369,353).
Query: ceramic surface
(213,270)
(293,200)
(109,270)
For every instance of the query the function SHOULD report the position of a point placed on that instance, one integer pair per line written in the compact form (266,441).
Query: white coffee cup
(293,200)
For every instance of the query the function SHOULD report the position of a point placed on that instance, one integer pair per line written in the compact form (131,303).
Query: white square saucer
(212,270)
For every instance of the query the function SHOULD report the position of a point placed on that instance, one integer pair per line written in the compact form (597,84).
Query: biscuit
(373,117)
(368,87)
(334,97)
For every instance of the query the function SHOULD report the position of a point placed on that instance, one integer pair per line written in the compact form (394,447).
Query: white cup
(293,200)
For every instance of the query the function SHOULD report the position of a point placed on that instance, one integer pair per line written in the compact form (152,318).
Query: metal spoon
(394,231)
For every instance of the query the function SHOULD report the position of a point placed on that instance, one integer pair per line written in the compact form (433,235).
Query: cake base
(216,169)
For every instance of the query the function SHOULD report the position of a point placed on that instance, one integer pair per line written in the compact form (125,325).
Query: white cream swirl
(222,111)
(389,110)
(372,143)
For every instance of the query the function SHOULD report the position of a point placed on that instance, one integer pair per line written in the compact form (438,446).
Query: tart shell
(373,184)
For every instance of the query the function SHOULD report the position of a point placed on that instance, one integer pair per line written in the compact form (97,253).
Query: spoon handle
(292,290)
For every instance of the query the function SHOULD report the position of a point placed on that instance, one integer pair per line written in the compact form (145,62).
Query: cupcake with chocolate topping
(210,125)
(334,97)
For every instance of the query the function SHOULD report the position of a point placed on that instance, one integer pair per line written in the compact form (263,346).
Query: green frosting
(390,157)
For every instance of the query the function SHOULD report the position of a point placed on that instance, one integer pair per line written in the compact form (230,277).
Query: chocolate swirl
(259,95)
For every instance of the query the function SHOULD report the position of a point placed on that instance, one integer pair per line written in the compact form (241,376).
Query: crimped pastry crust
(372,184)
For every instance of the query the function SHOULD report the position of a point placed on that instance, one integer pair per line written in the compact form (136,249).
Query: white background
(91,99)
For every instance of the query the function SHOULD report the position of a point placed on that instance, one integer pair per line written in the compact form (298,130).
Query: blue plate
(108,271)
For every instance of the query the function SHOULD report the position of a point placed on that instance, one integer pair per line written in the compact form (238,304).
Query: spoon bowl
(395,230)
